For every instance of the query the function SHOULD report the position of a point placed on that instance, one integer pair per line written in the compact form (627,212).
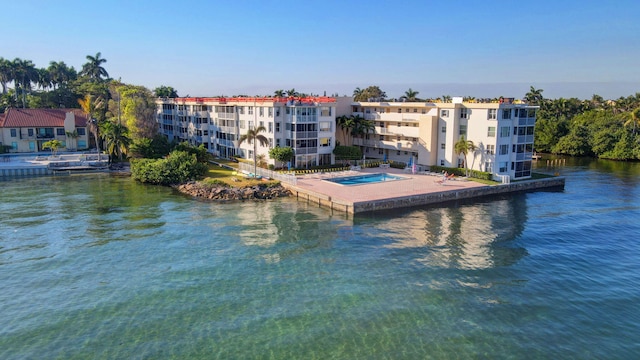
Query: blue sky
(208,48)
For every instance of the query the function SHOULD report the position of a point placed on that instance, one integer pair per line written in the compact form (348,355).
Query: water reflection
(464,235)
(287,228)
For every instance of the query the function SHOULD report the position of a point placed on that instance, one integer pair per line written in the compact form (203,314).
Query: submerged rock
(221,193)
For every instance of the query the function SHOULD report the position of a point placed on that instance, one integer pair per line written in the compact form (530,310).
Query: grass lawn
(216,173)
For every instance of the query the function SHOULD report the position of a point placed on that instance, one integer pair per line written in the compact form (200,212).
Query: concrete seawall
(324,200)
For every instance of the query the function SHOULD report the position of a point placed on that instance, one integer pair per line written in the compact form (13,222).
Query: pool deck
(417,189)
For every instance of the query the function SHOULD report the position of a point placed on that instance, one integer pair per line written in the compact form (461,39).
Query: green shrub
(178,167)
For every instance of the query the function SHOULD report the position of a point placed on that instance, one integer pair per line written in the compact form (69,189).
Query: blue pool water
(365,179)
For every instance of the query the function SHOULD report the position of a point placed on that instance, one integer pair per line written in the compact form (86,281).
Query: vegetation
(281,154)
(600,128)
(372,92)
(462,147)
(178,167)
(165,92)
(345,153)
(253,136)
(54,145)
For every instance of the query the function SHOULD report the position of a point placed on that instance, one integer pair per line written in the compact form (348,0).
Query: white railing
(289,178)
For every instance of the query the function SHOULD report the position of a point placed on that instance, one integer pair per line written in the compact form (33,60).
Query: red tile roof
(40,117)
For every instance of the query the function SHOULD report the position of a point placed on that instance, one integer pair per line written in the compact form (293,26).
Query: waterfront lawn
(216,173)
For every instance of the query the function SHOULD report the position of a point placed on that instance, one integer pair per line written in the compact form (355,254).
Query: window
(270,143)
(488,167)
(398,152)
(443,146)
(506,114)
(14,145)
(492,114)
(325,126)
(464,113)
(241,124)
(503,167)
(444,129)
(324,142)
(30,132)
(491,131)
(250,110)
(14,133)
(240,109)
(262,123)
(32,146)
(270,111)
(380,151)
(270,127)
(277,142)
(326,111)
(261,110)
(441,162)
(444,113)
(463,130)
(277,111)
(491,149)
(60,131)
(399,110)
(277,127)
(504,149)
(504,131)
(81,131)
(415,110)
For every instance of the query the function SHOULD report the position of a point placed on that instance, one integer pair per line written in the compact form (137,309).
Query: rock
(219,193)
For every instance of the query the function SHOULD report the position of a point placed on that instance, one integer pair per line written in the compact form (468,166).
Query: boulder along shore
(221,193)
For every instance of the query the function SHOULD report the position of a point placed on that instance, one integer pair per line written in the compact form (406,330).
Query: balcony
(44,136)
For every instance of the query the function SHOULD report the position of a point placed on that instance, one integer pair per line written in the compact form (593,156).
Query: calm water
(104,268)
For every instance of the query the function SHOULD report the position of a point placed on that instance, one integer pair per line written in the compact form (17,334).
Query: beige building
(25,130)
(425,134)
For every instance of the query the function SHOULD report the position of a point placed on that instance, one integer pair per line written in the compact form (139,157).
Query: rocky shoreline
(221,193)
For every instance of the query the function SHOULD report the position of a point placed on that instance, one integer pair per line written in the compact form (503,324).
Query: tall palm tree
(292,92)
(5,73)
(93,68)
(279,93)
(117,138)
(357,92)
(463,147)
(410,95)
(633,119)
(254,136)
(23,74)
(534,96)
(90,106)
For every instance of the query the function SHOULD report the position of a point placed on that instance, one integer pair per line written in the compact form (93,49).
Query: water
(104,268)
(365,179)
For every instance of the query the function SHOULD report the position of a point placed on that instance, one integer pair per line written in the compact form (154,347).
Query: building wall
(29,139)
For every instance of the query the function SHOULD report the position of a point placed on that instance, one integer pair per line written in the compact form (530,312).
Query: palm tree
(534,96)
(5,73)
(93,68)
(633,119)
(410,95)
(446,98)
(89,106)
(357,92)
(54,145)
(279,93)
(463,147)
(254,136)
(23,73)
(117,139)
(292,92)
(72,135)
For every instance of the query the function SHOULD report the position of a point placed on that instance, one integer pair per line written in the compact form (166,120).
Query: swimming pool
(365,179)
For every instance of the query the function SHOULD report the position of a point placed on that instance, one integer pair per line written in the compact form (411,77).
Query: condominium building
(426,133)
(307,125)
(25,130)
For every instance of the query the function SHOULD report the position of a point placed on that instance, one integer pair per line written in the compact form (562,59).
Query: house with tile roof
(25,130)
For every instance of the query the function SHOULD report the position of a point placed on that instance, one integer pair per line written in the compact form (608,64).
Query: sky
(568,48)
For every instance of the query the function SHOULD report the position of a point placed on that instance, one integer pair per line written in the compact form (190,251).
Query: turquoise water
(365,179)
(104,268)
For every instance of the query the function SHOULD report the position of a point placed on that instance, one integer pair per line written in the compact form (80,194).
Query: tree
(534,96)
(346,123)
(632,119)
(278,93)
(166,92)
(372,92)
(23,73)
(463,147)
(292,92)
(89,106)
(410,95)
(5,74)
(357,92)
(93,68)
(72,135)
(138,110)
(117,139)
(253,136)
(54,145)
(347,153)
(282,154)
